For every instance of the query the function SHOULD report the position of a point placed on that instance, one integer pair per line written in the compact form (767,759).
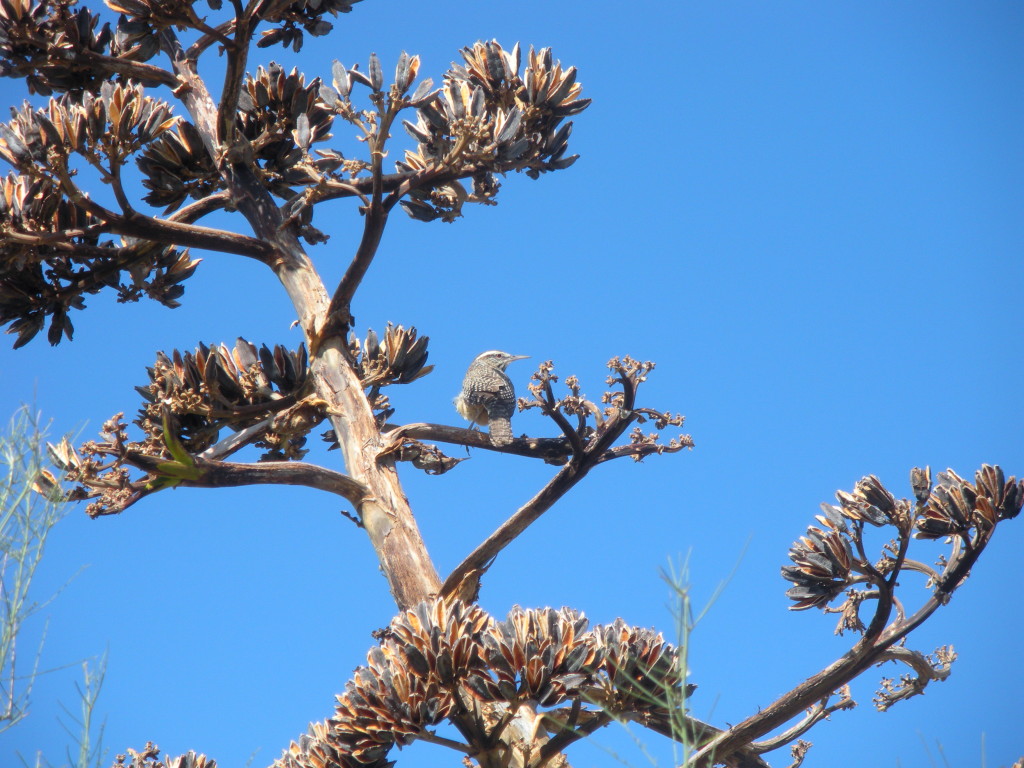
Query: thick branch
(230,474)
(479,558)
(144,227)
(384,509)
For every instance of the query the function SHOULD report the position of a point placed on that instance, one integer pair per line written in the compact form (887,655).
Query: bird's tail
(500,430)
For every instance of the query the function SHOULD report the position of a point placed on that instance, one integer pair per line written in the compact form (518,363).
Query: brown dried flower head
(956,506)
(489,117)
(542,655)
(823,559)
(639,665)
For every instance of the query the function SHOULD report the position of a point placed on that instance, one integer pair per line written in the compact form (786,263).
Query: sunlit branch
(226,474)
(479,559)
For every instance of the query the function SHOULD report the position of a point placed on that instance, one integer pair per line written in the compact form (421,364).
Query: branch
(219,34)
(196,210)
(553,450)
(874,646)
(238,440)
(815,715)
(134,224)
(558,417)
(339,315)
(432,738)
(926,669)
(683,728)
(229,474)
(234,74)
(480,558)
(148,74)
(398,184)
(567,734)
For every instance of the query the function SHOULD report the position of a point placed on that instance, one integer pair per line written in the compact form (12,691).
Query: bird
(487,395)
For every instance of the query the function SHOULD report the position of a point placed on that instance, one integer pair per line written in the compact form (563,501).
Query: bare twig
(926,670)
(820,711)
(558,417)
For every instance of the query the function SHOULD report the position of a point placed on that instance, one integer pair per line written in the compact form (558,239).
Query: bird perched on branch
(487,395)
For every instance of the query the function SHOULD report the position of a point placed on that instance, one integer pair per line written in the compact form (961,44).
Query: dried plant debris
(436,654)
(307,14)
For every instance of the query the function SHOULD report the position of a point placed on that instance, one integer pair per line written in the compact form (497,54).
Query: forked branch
(831,560)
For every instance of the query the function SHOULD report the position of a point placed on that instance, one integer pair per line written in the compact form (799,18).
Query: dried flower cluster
(487,119)
(638,664)
(544,656)
(490,118)
(178,166)
(26,53)
(830,557)
(217,387)
(40,40)
(51,253)
(959,508)
(309,14)
(111,125)
(279,116)
(438,658)
(400,358)
(149,757)
(591,429)
(190,399)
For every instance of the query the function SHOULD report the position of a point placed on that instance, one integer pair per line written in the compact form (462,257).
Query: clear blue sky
(809,214)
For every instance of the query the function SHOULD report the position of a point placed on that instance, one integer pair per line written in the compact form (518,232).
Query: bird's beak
(518,357)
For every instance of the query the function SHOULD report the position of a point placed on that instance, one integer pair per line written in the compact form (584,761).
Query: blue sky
(809,214)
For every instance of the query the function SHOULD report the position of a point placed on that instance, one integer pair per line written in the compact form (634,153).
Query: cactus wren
(487,395)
